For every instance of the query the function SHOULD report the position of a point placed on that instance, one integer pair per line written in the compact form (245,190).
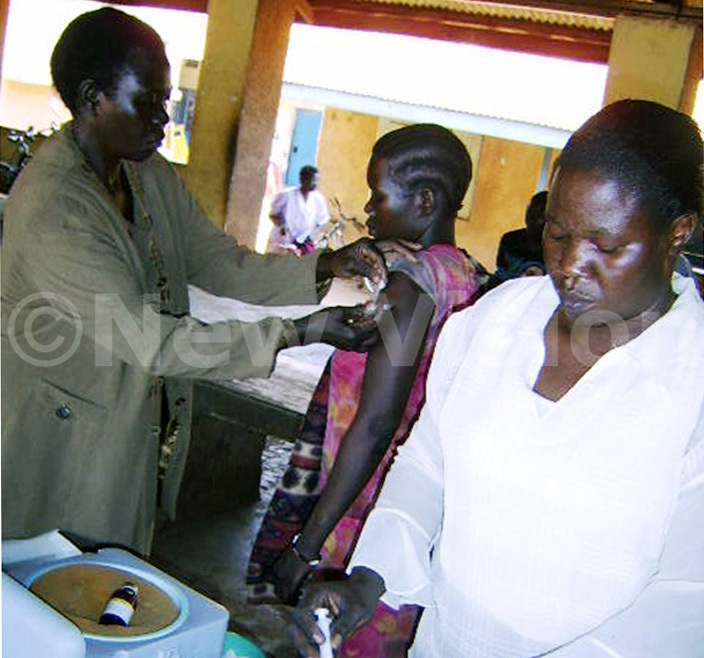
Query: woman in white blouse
(550,498)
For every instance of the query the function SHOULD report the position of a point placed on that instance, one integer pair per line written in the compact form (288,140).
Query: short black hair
(100,45)
(536,205)
(652,152)
(307,172)
(425,154)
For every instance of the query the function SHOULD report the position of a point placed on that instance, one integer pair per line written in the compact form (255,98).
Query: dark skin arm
(391,368)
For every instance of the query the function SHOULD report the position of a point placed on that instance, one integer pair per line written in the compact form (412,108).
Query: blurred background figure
(520,251)
(296,213)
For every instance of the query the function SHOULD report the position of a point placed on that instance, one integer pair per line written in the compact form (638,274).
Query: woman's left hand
(365,257)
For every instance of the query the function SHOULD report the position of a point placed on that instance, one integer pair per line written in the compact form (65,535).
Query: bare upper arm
(393,362)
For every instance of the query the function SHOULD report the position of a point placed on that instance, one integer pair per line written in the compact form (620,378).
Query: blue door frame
(304,144)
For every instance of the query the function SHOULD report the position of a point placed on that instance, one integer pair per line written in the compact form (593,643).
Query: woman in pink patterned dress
(364,405)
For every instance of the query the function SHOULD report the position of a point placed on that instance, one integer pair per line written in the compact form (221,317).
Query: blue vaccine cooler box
(174,621)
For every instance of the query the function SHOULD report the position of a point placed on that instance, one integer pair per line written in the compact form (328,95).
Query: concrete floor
(210,554)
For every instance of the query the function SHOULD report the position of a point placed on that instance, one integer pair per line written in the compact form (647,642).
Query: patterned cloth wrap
(454,280)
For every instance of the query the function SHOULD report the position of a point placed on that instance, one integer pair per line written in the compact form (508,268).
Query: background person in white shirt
(550,499)
(296,213)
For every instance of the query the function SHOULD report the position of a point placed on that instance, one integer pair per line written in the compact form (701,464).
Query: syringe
(324,621)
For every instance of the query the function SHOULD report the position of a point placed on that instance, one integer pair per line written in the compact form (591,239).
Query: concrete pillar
(219,101)
(654,60)
(258,117)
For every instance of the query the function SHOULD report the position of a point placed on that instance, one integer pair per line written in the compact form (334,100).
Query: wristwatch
(314,563)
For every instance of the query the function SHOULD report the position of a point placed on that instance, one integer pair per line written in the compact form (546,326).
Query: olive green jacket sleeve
(82,253)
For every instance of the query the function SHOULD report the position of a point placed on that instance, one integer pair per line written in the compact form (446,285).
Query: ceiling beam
(606,8)
(184,5)
(574,43)
(305,11)
(611,8)
(577,43)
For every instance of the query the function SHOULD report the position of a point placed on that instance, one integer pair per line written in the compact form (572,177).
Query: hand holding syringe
(329,612)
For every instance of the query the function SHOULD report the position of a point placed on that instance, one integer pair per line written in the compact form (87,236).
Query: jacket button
(64,411)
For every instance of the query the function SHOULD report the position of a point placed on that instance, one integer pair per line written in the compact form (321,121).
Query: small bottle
(121,606)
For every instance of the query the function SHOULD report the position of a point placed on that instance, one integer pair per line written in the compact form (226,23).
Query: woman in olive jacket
(98,349)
